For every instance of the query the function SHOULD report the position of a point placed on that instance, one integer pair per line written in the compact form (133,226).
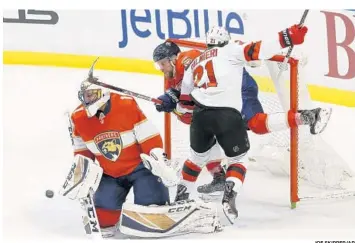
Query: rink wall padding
(123,64)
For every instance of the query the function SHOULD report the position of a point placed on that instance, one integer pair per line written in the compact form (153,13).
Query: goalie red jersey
(117,140)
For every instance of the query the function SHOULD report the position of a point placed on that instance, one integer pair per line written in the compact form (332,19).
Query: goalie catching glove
(84,175)
(160,166)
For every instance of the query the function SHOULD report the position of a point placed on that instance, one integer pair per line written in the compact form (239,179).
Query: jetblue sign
(154,21)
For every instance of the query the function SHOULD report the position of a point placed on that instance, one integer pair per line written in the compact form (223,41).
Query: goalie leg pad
(182,217)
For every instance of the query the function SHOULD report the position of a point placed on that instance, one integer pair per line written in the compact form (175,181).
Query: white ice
(38,155)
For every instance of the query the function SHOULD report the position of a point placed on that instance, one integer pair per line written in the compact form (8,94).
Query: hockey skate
(213,190)
(228,202)
(181,193)
(317,119)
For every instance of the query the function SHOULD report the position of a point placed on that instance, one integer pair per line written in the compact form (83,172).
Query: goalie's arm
(151,143)
(78,143)
(146,134)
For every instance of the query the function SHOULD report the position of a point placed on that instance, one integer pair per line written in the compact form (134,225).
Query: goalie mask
(92,96)
(217,36)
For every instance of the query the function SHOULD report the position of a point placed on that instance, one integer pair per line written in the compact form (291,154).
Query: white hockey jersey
(218,72)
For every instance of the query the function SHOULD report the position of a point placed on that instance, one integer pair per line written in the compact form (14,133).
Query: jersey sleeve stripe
(147,138)
(80,150)
(128,138)
(78,144)
(144,130)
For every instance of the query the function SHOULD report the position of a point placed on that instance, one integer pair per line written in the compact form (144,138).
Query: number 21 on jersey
(198,74)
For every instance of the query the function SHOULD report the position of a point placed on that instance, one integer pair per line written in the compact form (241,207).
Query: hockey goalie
(117,149)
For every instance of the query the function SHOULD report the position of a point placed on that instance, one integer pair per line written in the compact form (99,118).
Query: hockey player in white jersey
(253,114)
(215,116)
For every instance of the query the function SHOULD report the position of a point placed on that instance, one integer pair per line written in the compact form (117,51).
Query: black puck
(49,193)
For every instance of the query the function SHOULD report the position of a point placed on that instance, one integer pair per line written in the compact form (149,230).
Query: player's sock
(108,220)
(190,173)
(214,167)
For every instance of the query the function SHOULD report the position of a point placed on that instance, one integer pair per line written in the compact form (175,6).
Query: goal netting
(315,169)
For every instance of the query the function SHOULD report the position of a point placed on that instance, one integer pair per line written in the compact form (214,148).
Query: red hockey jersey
(117,142)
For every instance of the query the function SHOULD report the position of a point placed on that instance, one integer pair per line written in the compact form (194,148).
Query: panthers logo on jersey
(109,144)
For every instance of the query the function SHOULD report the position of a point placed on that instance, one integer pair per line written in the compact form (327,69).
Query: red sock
(190,171)
(214,167)
(107,217)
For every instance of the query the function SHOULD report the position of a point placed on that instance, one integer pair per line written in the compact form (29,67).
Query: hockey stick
(127,92)
(284,63)
(121,90)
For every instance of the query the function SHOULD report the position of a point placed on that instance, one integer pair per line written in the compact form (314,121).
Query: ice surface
(38,155)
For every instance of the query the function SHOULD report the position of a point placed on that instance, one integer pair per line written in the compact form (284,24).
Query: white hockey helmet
(217,36)
(92,96)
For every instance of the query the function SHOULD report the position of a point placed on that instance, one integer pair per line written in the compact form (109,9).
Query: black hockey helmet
(165,50)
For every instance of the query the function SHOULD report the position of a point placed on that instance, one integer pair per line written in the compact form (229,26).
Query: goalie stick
(89,217)
(121,90)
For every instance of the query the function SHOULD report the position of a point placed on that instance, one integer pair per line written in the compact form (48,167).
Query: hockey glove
(160,166)
(84,175)
(170,99)
(293,35)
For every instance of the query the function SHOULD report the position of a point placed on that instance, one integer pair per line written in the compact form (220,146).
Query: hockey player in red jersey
(111,131)
(254,115)
(116,148)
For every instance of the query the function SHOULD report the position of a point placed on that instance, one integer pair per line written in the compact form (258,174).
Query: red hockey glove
(292,36)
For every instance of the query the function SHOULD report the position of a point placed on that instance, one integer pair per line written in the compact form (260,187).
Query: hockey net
(314,168)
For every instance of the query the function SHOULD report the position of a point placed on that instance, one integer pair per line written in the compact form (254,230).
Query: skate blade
(230,213)
(324,116)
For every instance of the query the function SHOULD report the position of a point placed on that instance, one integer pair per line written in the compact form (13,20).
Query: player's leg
(108,201)
(216,186)
(232,135)
(262,123)
(148,189)
(201,141)
(317,119)
(251,107)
